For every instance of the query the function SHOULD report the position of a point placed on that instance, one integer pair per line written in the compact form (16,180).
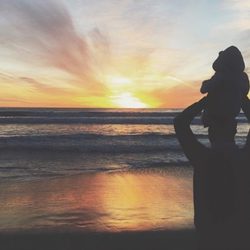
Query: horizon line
(49,107)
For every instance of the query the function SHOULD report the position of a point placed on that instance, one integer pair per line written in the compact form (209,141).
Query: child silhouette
(226,88)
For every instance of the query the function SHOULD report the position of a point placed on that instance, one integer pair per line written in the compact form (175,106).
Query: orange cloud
(178,96)
(45,34)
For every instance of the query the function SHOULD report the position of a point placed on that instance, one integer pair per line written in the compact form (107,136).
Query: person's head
(229,60)
(222,133)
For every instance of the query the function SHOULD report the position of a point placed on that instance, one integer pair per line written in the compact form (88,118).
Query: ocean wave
(86,120)
(38,157)
(79,113)
(96,120)
(43,165)
(94,143)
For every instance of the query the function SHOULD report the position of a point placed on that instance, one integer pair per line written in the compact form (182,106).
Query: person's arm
(209,85)
(192,148)
(246,109)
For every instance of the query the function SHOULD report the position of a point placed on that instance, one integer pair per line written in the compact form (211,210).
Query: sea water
(96,170)
(91,140)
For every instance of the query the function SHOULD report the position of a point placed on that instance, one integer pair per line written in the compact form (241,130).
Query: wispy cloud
(9,101)
(37,86)
(76,50)
(43,32)
(178,95)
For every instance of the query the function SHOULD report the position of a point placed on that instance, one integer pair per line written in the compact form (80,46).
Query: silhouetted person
(221,181)
(227,87)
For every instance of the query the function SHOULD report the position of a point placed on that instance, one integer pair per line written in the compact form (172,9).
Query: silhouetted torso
(221,184)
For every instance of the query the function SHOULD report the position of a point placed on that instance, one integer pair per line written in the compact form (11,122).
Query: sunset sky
(114,53)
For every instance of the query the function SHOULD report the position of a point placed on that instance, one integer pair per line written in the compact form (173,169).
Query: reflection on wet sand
(136,200)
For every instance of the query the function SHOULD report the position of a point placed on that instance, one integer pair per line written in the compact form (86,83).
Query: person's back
(221,182)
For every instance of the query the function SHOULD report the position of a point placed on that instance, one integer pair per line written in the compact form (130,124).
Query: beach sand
(150,240)
(139,209)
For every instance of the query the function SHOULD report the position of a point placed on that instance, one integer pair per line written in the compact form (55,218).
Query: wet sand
(139,209)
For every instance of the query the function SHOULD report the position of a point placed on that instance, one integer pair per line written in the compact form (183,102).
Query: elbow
(202,91)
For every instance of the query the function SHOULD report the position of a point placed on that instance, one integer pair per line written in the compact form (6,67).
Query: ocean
(95,170)
(91,140)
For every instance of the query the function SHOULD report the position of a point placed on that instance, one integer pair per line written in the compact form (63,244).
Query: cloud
(179,96)
(36,85)
(43,32)
(7,102)
(239,15)
(45,88)
(158,45)
(6,77)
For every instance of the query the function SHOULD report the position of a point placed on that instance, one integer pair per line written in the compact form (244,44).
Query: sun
(127,100)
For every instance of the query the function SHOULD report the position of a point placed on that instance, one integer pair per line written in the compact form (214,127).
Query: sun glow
(127,100)
(119,80)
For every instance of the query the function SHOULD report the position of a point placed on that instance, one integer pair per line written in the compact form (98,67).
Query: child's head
(229,60)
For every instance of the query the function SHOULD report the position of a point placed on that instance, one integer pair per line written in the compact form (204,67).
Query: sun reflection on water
(101,202)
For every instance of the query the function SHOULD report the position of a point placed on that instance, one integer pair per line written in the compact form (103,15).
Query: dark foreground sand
(154,240)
